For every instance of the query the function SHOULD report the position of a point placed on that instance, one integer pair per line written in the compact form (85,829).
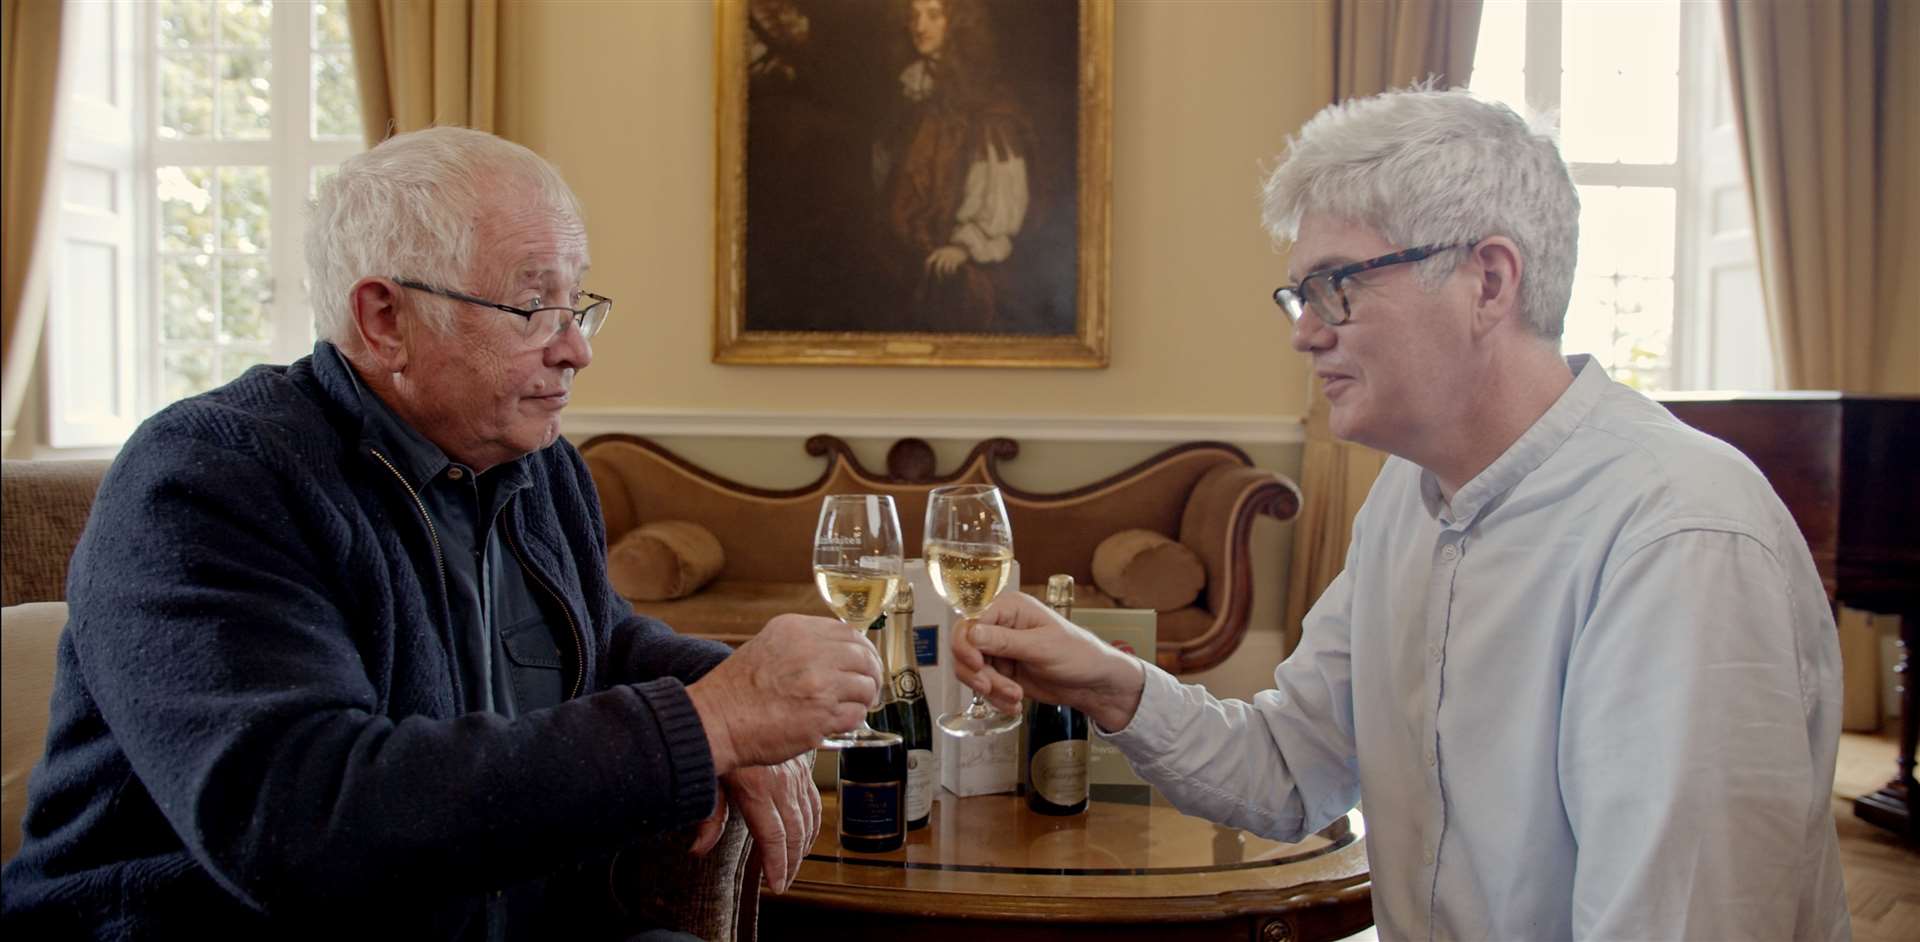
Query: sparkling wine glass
(969,550)
(856,565)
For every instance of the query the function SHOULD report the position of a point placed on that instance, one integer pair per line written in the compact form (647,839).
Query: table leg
(1896,805)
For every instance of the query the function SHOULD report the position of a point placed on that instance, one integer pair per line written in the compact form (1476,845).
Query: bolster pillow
(1144,569)
(665,559)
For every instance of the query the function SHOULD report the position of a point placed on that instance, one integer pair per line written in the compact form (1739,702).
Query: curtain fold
(1377,45)
(422,63)
(1825,99)
(29,81)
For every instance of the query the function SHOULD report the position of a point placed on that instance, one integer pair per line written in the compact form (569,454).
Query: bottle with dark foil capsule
(1057,745)
(873,788)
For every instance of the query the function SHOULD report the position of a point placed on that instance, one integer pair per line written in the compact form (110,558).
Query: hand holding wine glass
(969,551)
(857,566)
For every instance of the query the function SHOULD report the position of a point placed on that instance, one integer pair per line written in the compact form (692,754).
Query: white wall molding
(580,424)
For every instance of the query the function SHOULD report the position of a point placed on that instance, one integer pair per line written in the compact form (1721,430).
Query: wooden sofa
(45,505)
(1206,495)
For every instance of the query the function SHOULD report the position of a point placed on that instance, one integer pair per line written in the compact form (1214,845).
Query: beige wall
(621,96)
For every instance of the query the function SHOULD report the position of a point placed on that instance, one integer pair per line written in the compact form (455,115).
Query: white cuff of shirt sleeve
(1150,734)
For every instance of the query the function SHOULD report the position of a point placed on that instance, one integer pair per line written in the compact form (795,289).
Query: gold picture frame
(837,243)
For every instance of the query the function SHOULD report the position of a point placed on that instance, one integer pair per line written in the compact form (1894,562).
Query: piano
(1848,467)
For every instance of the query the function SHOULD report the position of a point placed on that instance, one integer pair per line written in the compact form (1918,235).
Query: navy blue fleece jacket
(255,724)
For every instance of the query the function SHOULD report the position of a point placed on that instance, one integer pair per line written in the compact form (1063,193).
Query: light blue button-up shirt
(1596,695)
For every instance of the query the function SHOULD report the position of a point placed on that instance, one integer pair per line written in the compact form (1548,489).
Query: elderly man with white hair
(343,657)
(1579,668)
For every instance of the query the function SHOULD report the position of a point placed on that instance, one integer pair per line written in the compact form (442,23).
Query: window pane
(186,208)
(235,362)
(246,95)
(186,23)
(330,23)
(246,23)
(1620,88)
(243,209)
(184,373)
(186,95)
(244,294)
(186,297)
(1623,290)
(336,96)
(1626,230)
(317,176)
(1500,54)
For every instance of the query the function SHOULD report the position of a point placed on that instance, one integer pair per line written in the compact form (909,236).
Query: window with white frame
(1666,294)
(192,134)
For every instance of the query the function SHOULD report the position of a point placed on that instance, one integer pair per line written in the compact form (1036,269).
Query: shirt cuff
(688,758)
(1149,734)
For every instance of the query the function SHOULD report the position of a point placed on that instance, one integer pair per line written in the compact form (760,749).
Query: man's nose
(570,347)
(1310,333)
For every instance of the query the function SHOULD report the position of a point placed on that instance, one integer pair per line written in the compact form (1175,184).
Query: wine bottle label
(1060,771)
(919,783)
(871,809)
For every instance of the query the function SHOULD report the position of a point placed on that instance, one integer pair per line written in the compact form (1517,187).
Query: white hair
(1428,167)
(407,208)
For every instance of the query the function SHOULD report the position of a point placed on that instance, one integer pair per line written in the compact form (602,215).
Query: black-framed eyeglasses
(1323,292)
(543,323)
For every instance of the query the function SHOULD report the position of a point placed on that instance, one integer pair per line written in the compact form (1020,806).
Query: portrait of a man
(911,167)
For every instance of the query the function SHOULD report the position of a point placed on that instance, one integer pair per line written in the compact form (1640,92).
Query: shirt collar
(383,430)
(1529,451)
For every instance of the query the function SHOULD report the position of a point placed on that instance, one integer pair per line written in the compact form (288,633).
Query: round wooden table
(986,868)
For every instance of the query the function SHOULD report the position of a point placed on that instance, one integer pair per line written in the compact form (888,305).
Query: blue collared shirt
(1595,695)
(508,656)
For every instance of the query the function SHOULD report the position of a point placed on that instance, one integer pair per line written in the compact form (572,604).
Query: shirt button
(1429,858)
(1431,758)
(1448,552)
(454,473)
(1433,651)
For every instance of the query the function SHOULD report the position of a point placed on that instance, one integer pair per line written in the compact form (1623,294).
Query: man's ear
(376,321)
(1497,294)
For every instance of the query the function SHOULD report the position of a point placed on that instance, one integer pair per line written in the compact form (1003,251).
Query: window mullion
(1543,56)
(288,189)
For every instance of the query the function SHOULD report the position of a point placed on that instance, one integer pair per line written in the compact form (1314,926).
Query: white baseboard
(580,424)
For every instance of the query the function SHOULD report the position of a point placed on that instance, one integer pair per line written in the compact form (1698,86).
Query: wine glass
(969,550)
(856,565)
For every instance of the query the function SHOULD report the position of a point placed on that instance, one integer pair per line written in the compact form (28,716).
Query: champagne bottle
(873,787)
(906,708)
(1057,746)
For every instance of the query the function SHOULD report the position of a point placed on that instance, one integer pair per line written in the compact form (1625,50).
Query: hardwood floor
(1882,874)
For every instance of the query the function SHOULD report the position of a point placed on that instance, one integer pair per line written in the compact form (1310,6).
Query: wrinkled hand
(1019,646)
(799,679)
(946,260)
(782,811)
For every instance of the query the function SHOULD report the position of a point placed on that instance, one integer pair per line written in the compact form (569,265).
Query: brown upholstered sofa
(45,505)
(1202,495)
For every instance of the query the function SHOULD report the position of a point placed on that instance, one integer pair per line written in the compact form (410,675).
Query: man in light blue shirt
(1579,665)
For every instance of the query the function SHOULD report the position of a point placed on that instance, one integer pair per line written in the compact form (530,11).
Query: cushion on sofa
(665,559)
(1144,569)
(29,636)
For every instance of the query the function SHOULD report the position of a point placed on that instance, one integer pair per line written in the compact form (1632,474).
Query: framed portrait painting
(913,182)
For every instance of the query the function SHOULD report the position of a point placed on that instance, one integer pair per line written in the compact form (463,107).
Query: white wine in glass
(856,567)
(969,550)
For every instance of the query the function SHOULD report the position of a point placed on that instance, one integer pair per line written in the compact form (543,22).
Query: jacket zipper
(579,641)
(439,558)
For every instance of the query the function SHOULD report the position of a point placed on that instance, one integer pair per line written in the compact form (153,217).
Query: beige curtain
(1377,45)
(29,76)
(422,63)
(1827,96)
